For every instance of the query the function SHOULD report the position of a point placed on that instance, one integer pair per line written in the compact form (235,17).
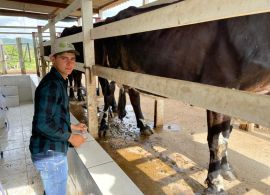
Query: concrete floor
(17,173)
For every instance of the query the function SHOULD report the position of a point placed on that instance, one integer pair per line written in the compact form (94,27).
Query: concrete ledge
(107,175)
(80,180)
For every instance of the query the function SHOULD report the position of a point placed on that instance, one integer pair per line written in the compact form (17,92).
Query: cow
(108,88)
(230,53)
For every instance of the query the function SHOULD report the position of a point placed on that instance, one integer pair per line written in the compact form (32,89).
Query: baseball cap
(63,46)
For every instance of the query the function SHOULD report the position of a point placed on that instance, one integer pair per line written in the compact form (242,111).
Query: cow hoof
(213,191)
(122,114)
(228,175)
(101,133)
(114,109)
(72,99)
(227,172)
(81,99)
(103,127)
(146,131)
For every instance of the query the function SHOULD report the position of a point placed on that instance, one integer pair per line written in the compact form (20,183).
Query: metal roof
(46,9)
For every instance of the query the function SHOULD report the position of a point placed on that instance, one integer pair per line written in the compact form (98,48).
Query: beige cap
(63,46)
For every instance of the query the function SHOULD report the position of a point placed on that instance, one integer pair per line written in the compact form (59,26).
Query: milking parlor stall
(172,160)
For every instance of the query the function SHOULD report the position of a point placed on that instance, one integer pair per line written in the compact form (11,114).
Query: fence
(244,105)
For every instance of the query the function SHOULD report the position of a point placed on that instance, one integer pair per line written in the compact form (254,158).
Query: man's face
(64,63)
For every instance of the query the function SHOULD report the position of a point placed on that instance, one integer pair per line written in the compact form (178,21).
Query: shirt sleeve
(47,107)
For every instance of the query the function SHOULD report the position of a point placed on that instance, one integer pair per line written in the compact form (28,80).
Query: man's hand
(79,127)
(76,140)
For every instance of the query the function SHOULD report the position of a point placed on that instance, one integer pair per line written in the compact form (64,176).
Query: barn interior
(126,170)
(18,176)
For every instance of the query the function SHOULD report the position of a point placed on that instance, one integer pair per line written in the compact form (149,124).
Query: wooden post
(35,52)
(250,126)
(100,14)
(41,52)
(52,31)
(89,61)
(247,126)
(21,61)
(79,21)
(29,55)
(159,113)
(145,2)
(2,59)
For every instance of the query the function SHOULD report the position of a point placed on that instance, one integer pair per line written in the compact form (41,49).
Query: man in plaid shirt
(51,127)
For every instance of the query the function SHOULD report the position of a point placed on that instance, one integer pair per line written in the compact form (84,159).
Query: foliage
(12,57)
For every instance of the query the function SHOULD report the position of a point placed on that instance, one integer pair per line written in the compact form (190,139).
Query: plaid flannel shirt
(51,121)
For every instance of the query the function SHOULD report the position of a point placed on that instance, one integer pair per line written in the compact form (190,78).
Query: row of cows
(231,53)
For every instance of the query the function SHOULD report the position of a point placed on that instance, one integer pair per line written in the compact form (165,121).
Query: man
(51,127)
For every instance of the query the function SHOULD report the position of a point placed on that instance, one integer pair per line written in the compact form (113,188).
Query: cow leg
(218,133)
(226,170)
(79,86)
(71,89)
(104,118)
(121,103)
(112,98)
(134,96)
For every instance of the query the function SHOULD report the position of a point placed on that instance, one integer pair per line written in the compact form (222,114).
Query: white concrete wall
(23,84)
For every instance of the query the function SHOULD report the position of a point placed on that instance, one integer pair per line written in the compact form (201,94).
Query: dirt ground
(174,159)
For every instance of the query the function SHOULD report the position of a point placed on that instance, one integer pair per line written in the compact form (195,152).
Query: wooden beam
(26,33)
(62,15)
(78,37)
(89,61)
(44,3)
(159,113)
(21,27)
(5,12)
(20,53)
(180,14)
(26,27)
(35,52)
(40,16)
(111,4)
(244,105)
(108,5)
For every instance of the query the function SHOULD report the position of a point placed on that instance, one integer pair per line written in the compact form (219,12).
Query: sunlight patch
(133,153)
(156,169)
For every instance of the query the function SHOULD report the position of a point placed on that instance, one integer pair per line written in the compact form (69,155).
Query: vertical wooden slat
(29,54)
(145,2)
(21,61)
(35,52)
(159,113)
(2,59)
(41,52)
(52,30)
(52,33)
(89,61)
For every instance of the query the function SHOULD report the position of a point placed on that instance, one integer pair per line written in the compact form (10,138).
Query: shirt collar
(57,74)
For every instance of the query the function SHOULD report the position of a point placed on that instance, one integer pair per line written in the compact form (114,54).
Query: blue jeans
(53,168)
